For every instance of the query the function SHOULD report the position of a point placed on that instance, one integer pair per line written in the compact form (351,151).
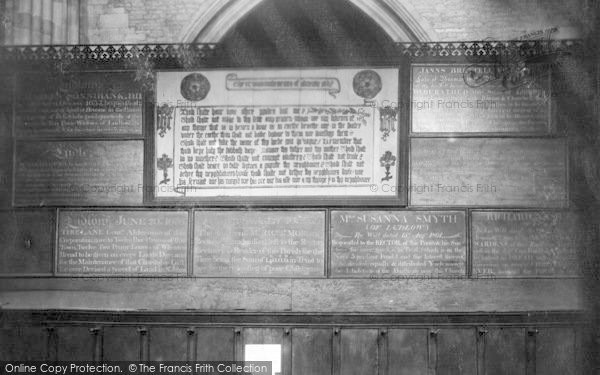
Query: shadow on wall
(307,33)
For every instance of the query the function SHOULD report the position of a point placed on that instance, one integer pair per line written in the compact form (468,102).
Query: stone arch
(400,22)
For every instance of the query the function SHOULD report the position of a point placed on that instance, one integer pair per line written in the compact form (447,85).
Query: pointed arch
(401,23)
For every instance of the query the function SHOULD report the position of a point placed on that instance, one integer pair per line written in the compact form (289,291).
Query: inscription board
(259,244)
(122,243)
(475,98)
(488,172)
(276,133)
(79,173)
(78,104)
(526,244)
(398,243)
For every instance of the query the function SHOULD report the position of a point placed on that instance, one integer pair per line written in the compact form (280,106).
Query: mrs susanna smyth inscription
(398,243)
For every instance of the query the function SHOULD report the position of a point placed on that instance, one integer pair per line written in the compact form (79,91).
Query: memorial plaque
(79,173)
(461,98)
(488,172)
(398,243)
(27,242)
(78,105)
(526,243)
(277,133)
(122,243)
(6,142)
(259,243)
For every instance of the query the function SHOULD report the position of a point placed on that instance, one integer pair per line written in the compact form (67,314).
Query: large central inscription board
(398,244)
(259,243)
(276,133)
(122,243)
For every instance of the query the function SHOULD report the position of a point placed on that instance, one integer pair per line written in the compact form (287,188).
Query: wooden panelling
(27,242)
(316,350)
(505,351)
(168,343)
(121,344)
(359,352)
(555,351)
(75,343)
(266,336)
(407,351)
(312,351)
(214,344)
(24,344)
(263,336)
(586,352)
(456,352)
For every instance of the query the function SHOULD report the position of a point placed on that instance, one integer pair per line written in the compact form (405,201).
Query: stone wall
(167,21)
(133,21)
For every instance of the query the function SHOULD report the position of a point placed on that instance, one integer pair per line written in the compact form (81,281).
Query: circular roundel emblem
(367,84)
(195,87)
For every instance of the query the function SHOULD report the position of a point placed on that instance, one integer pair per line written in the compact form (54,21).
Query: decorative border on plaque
(330,84)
